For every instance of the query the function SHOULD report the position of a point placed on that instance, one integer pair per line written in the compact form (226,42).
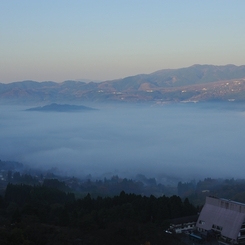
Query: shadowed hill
(61,108)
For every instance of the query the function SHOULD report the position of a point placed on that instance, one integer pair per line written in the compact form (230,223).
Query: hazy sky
(99,40)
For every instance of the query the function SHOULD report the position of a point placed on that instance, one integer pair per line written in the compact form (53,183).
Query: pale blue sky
(108,39)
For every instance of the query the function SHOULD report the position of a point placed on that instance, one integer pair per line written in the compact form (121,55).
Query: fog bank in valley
(186,141)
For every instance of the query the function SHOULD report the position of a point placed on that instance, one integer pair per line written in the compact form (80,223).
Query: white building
(225,218)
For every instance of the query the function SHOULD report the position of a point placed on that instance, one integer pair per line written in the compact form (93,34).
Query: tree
(9,178)
(16,177)
(16,217)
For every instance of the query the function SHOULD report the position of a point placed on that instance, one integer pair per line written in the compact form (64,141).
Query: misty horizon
(182,141)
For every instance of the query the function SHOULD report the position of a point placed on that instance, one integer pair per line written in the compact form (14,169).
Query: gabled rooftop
(222,215)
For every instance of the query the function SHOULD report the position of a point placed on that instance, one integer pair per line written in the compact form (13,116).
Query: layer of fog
(186,141)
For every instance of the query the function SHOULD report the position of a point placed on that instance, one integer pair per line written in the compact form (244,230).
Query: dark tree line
(25,205)
(233,189)
(124,206)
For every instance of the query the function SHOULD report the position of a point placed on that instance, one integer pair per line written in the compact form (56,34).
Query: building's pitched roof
(223,213)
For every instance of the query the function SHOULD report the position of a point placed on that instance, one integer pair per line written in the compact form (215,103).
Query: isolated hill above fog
(194,83)
(60,108)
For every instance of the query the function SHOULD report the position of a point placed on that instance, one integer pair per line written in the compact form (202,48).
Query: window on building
(243,225)
(217,227)
(201,222)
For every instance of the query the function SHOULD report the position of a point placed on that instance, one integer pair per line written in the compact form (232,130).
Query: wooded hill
(44,215)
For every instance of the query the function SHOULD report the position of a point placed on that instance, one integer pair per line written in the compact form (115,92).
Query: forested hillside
(45,215)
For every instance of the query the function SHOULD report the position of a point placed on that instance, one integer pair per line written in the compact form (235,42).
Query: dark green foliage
(228,188)
(23,194)
(55,183)
(113,186)
(19,194)
(16,177)
(16,218)
(186,189)
(2,202)
(9,176)
(38,213)
(24,178)
(10,165)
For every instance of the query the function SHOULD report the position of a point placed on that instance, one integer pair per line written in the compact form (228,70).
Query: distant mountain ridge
(194,83)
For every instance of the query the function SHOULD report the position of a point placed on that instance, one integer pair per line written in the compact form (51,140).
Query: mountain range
(194,83)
